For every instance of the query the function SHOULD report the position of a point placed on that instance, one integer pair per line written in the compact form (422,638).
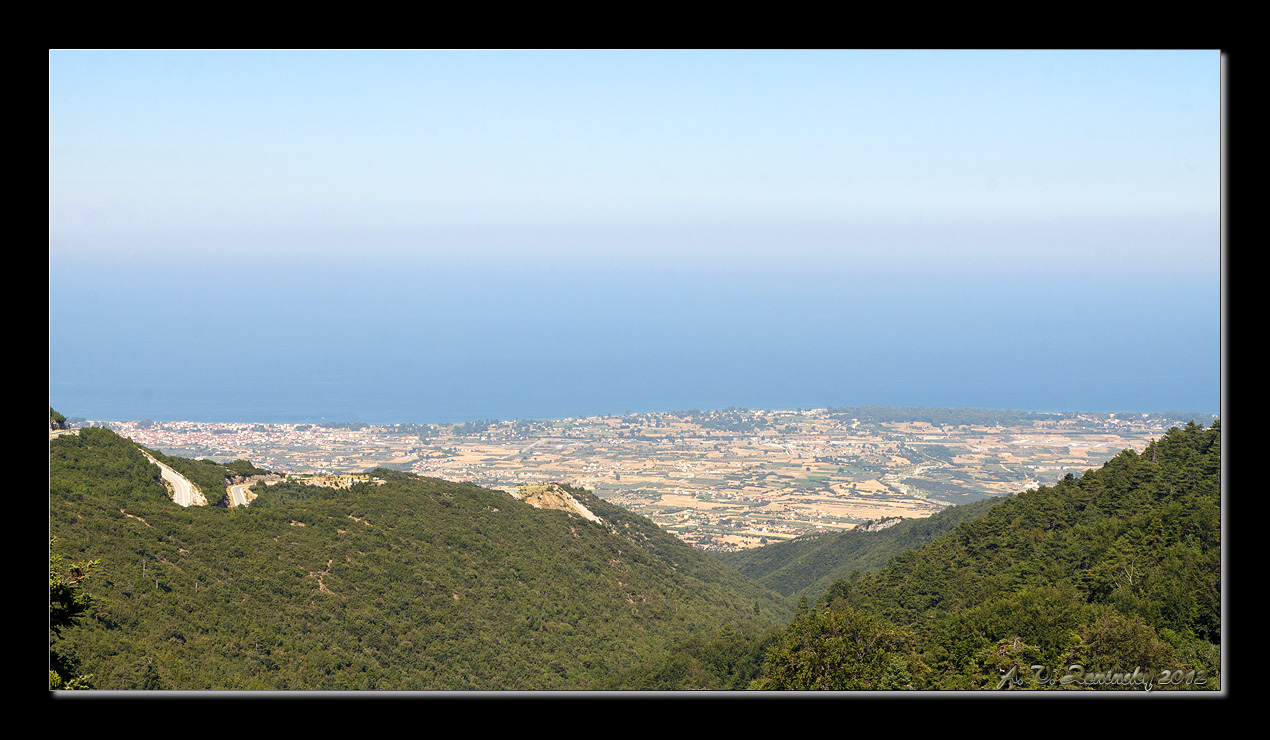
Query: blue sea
(305,341)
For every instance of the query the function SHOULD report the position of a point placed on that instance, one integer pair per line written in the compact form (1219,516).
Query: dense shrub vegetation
(1116,570)
(418,583)
(414,584)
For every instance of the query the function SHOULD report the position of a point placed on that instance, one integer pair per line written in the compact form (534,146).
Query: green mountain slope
(1118,570)
(809,565)
(413,584)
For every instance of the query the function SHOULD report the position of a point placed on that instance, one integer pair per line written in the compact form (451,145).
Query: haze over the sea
(446,236)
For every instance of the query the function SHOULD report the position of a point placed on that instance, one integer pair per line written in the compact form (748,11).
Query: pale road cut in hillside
(238,494)
(183,492)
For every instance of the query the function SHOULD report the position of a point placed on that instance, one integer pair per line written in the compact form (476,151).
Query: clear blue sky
(421,236)
(147,144)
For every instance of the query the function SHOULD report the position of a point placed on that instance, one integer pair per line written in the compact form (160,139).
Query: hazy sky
(674,157)
(423,236)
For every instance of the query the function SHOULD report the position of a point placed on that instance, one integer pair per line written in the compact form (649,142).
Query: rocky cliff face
(880,524)
(552,496)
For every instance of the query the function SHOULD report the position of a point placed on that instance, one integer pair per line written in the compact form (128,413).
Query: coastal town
(722,480)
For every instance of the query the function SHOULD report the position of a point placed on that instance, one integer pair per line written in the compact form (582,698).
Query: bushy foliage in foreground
(423,584)
(1117,570)
(414,584)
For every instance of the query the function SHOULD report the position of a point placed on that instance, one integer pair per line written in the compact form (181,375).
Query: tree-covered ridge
(414,584)
(809,565)
(1117,569)
(419,583)
(99,464)
(1116,531)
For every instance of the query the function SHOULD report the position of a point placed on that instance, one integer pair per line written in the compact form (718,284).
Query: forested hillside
(1117,570)
(413,584)
(417,583)
(808,566)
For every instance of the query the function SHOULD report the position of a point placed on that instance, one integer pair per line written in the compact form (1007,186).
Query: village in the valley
(722,480)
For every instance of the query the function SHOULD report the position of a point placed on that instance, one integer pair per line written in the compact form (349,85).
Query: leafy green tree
(151,680)
(1114,641)
(845,650)
(67,603)
(1008,664)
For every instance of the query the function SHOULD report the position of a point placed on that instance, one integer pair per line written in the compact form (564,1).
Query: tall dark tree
(68,601)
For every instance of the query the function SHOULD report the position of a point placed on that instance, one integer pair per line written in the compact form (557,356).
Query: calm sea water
(273,342)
